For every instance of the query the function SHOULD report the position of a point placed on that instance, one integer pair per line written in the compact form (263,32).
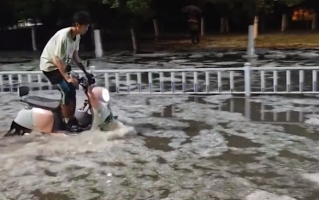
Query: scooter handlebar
(83,81)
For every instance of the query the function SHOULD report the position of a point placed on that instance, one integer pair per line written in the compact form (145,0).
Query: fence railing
(240,80)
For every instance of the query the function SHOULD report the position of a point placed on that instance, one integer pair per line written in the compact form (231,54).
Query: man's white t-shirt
(60,45)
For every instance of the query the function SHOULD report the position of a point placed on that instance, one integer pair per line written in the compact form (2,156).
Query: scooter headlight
(105,95)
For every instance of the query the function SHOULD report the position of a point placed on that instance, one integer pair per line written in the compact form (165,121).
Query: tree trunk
(256,20)
(33,37)
(202,26)
(284,23)
(155,28)
(314,22)
(133,39)
(222,25)
(262,23)
(226,25)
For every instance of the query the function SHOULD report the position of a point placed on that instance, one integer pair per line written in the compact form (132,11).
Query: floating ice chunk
(263,195)
(151,55)
(312,177)
(18,67)
(233,52)
(168,79)
(272,64)
(207,143)
(309,55)
(217,98)
(179,61)
(196,56)
(275,56)
(194,64)
(312,121)
(219,55)
(226,63)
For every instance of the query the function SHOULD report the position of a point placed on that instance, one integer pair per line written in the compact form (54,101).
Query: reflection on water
(193,148)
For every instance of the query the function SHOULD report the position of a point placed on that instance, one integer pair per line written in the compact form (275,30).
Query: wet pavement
(211,147)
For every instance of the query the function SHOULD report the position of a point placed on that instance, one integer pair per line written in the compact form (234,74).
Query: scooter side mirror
(23,91)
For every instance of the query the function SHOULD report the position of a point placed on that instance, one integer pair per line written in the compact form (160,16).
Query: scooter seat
(42,102)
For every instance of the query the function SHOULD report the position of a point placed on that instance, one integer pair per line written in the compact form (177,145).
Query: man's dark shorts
(68,91)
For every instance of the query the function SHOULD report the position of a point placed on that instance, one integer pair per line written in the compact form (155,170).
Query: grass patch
(230,41)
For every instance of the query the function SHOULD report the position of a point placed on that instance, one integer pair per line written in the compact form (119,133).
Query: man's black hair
(81,18)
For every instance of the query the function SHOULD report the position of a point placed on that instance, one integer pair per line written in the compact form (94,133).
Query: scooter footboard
(16,130)
(24,118)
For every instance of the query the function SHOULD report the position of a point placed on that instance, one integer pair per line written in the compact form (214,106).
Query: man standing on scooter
(60,50)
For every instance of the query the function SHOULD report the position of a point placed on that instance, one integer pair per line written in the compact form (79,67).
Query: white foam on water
(61,145)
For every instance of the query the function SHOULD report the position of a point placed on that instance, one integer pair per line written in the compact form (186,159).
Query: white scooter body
(44,115)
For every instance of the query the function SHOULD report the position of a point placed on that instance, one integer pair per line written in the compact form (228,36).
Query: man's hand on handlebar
(90,78)
(73,81)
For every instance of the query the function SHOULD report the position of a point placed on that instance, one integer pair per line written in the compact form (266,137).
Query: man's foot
(73,126)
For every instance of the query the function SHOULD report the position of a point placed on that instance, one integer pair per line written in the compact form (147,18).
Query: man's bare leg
(66,112)
(72,108)
(73,120)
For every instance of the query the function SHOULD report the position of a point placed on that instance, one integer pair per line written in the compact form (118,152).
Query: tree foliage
(256,5)
(13,10)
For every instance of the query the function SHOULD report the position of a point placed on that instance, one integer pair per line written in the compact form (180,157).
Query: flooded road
(194,148)
(213,147)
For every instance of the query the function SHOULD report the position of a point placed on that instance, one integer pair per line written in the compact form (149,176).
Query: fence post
(247,75)
(92,68)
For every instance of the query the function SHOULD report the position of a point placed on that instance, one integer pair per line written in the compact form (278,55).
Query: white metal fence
(245,80)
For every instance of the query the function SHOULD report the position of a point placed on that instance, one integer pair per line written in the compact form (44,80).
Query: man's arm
(59,54)
(77,59)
